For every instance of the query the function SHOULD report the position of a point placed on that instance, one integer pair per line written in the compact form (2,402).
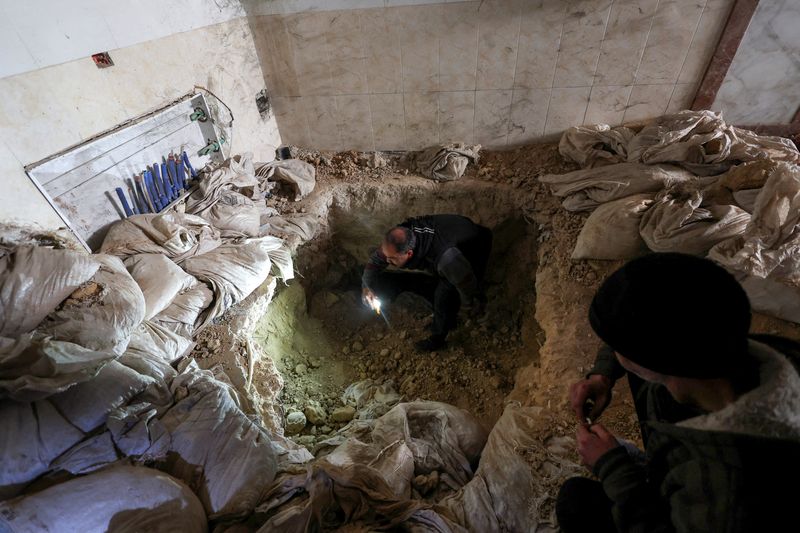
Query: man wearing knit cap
(719,410)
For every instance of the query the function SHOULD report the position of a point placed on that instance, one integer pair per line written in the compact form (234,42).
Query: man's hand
(596,388)
(593,442)
(367,296)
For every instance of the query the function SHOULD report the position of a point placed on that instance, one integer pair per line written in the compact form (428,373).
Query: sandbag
(680,221)
(300,176)
(86,405)
(174,234)
(595,145)
(160,280)
(102,313)
(215,447)
(612,230)
(34,280)
(585,189)
(35,367)
(152,339)
(120,499)
(235,270)
(371,399)
(185,314)
(33,435)
(226,197)
(770,244)
(304,226)
(87,456)
(446,162)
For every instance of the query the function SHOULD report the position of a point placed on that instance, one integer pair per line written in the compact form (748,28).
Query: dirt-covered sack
(595,145)
(119,499)
(185,314)
(86,405)
(34,280)
(33,435)
(585,189)
(88,455)
(154,339)
(176,235)
(103,312)
(371,399)
(770,245)
(33,367)
(301,225)
(515,486)
(160,280)
(215,447)
(612,230)
(299,175)
(235,270)
(446,162)
(680,221)
(226,197)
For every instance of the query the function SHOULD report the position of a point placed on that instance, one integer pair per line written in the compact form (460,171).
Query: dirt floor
(318,338)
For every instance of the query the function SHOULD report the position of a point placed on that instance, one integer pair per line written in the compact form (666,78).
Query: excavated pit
(322,339)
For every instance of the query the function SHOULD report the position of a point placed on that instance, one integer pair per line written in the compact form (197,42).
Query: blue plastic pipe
(125,206)
(192,173)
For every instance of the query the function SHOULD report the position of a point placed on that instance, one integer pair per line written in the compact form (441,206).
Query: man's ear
(410,254)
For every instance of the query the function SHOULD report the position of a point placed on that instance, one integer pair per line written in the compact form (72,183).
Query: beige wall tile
(421,116)
(419,28)
(625,39)
(704,42)
(323,122)
(582,34)
(528,114)
(381,52)
(456,116)
(458,46)
(280,56)
(567,108)
(607,105)
(311,52)
(347,60)
(492,115)
(388,121)
(648,101)
(682,97)
(355,122)
(539,38)
(670,36)
(498,38)
(290,113)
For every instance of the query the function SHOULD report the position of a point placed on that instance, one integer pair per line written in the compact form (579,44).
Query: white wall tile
(421,119)
(311,52)
(323,122)
(704,42)
(528,115)
(382,52)
(458,46)
(670,36)
(647,101)
(582,35)
(498,39)
(567,108)
(682,97)
(419,41)
(290,113)
(346,48)
(626,35)
(456,116)
(492,116)
(274,46)
(539,39)
(388,121)
(15,57)
(607,105)
(355,122)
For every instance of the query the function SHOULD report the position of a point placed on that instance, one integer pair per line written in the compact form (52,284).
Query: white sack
(160,280)
(176,235)
(120,499)
(151,339)
(612,230)
(104,320)
(680,221)
(585,189)
(595,145)
(87,456)
(446,162)
(33,434)
(34,280)
(301,176)
(304,226)
(184,314)
(32,368)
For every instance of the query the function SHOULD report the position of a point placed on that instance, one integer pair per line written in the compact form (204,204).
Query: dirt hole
(322,339)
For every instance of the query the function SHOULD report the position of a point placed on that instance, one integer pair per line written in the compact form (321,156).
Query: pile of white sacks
(691,183)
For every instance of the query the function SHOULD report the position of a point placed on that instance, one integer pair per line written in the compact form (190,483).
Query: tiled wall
(761,86)
(494,72)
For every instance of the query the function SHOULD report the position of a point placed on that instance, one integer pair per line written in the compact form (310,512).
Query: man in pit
(448,253)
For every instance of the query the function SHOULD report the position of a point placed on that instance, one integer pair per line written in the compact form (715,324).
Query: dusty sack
(595,145)
(612,230)
(299,175)
(185,314)
(160,280)
(446,162)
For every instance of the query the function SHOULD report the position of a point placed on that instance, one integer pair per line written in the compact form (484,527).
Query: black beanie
(674,314)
